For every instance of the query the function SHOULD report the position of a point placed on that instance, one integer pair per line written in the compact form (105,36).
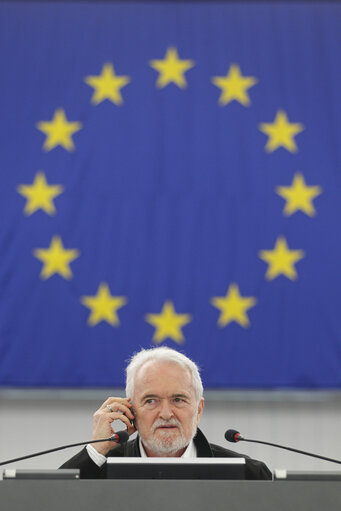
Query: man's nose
(166,411)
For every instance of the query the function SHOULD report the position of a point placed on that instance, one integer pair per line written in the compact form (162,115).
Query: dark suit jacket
(89,470)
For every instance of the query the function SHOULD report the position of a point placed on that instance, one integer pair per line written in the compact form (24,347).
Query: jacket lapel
(203,447)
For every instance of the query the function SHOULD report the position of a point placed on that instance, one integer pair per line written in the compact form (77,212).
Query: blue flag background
(200,212)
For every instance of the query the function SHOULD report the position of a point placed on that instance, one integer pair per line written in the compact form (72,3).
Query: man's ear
(200,409)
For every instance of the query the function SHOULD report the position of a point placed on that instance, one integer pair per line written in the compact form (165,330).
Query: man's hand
(112,409)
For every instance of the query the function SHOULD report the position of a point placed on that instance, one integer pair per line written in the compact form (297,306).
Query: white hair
(162,354)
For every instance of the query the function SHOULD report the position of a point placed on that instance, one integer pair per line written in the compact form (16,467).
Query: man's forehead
(155,370)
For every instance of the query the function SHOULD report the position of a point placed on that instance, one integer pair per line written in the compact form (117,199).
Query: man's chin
(167,435)
(164,444)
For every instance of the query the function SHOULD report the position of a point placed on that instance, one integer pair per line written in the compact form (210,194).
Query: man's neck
(175,454)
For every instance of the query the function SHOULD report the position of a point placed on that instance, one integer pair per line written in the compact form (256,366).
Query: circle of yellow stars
(168,323)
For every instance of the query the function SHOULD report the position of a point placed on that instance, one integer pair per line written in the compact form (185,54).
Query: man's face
(166,408)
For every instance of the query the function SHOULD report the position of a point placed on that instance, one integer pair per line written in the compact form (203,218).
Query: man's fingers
(131,429)
(115,400)
(118,406)
(111,417)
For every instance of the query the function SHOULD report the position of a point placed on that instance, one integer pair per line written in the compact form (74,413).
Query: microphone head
(232,435)
(122,437)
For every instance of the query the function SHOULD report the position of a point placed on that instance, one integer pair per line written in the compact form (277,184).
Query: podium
(166,495)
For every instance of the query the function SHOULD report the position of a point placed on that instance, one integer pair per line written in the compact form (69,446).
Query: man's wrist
(96,456)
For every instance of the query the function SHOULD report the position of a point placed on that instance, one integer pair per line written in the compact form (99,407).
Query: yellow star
(171,69)
(299,196)
(40,195)
(59,131)
(107,85)
(281,260)
(103,306)
(281,133)
(233,307)
(168,324)
(234,86)
(56,259)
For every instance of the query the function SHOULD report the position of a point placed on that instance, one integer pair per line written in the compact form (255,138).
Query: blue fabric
(170,196)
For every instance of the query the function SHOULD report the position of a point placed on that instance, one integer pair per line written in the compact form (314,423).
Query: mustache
(161,422)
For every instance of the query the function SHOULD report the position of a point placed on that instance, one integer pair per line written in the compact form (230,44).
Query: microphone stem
(54,450)
(291,449)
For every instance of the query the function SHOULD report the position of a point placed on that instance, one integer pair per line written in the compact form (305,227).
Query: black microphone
(121,437)
(232,435)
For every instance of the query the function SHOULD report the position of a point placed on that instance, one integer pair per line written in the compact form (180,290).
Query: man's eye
(150,401)
(179,400)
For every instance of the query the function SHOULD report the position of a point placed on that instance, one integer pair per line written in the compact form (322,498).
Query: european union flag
(170,174)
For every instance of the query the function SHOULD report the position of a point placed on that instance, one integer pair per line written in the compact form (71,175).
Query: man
(164,404)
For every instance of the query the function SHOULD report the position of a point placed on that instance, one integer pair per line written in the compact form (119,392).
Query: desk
(141,495)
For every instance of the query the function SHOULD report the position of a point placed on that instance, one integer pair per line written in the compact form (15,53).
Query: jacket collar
(203,447)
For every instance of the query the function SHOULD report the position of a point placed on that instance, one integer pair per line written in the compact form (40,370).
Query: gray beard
(164,446)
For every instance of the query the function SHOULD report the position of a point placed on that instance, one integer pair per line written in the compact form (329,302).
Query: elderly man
(164,404)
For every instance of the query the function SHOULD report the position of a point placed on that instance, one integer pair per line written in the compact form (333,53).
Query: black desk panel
(90,495)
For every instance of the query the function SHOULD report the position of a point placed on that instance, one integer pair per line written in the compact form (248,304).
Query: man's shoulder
(221,452)
(254,469)
(205,449)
